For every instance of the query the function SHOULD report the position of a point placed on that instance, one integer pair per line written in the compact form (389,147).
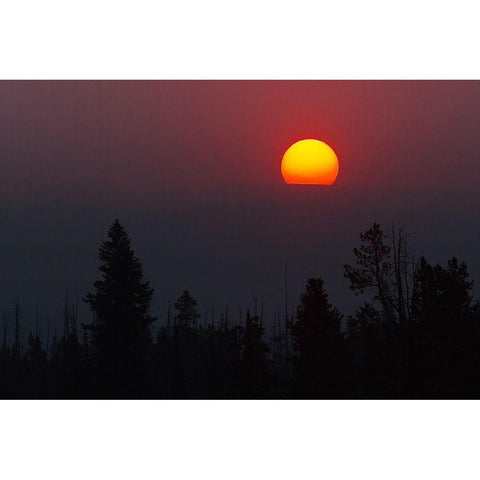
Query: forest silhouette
(415,336)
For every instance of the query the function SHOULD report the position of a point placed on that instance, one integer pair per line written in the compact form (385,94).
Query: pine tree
(373,341)
(187,315)
(448,331)
(121,334)
(186,348)
(255,350)
(319,346)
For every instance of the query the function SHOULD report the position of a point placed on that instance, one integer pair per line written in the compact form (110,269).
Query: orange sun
(310,162)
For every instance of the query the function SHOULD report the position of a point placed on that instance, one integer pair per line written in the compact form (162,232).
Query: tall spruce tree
(319,346)
(186,348)
(120,330)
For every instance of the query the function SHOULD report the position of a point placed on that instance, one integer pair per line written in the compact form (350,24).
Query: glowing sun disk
(310,162)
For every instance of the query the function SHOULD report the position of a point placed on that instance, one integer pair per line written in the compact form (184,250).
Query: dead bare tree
(385,271)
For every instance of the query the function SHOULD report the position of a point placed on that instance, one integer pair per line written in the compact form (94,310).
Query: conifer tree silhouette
(447,330)
(187,315)
(319,346)
(373,270)
(120,330)
(374,347)
(186,348)
(255,350)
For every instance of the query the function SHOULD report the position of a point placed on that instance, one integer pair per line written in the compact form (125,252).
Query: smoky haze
(192,170)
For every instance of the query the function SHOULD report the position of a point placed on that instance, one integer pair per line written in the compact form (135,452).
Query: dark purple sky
(192,169)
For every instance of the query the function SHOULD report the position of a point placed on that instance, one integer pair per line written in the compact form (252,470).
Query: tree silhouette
(255,350)
(385,272)
(319,346)
(36,365)
(120,330)
(186,348)
(373,341)
(187,315)
(416,335)
(448,331)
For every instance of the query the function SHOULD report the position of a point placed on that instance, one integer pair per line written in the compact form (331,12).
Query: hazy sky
(192,170)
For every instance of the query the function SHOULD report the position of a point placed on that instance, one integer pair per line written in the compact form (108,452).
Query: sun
(310,162)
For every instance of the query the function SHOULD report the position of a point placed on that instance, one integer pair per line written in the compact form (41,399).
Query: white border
(221,40)
(239,439)
(252,39)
